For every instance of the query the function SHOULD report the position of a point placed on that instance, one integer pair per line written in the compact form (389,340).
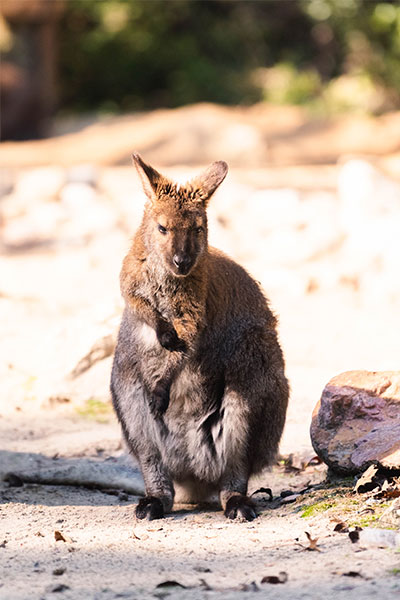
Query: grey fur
(227,391)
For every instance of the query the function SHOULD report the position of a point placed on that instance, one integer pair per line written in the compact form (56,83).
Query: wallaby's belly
(194,441)
(199,434)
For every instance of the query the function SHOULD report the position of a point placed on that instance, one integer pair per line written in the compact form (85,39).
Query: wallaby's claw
(159,400)
(168,338)
(240,506)
(149,508)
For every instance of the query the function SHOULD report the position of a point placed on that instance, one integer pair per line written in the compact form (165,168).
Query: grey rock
(357,421)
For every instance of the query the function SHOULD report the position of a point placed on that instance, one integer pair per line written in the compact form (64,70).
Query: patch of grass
(364,521)
(318,507)
(96,409)
(395,571)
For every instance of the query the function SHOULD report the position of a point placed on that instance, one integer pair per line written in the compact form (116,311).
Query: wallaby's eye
(162,229)
(199,229)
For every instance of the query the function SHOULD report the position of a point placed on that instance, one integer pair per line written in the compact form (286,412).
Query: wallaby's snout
(183,263)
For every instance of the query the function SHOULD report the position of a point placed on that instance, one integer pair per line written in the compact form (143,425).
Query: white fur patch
(185,383)
(147,336)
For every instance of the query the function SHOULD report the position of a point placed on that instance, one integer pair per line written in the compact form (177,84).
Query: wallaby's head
(175,219)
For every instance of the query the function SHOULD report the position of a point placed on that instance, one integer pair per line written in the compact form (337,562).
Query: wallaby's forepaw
(168,337)
(149,508)
(159,400)
(240,507)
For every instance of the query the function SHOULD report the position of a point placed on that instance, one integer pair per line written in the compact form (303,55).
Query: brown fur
(198,377)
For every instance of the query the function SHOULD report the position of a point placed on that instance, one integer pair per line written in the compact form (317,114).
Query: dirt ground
(108,554)
(322,239)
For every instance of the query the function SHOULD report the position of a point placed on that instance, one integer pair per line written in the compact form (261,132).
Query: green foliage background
(121,55)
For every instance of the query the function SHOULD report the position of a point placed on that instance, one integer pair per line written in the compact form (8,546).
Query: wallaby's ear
(150,177)
(208,181)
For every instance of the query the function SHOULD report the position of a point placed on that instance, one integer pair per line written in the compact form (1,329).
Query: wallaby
(198,379)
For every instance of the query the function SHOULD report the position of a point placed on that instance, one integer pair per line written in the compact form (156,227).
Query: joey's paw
(240,507)
(149,508)
(159,400)
(168,338)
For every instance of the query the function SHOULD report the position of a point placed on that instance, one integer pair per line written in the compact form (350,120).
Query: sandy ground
(108,554)
(306,234)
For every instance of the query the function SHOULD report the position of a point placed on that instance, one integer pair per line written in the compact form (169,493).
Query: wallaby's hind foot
(149,508)
(242,507)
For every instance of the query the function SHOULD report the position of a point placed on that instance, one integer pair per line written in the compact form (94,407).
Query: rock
(118,474)
(6,182)
(357,421)
(391,515)
(39,184)
(83,173)
(376,538)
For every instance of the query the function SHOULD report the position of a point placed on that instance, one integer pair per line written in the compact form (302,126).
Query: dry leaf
(59,588)
(315,460)
(170,584)
(366,511)
(313,542)
(143,536)
(354,536)
(366,482)
(392,512)
(263,490)
(289,499)
(248,587)
(294,462)
(391,494)
(201,569)
(204,585)
(341,527)
(285,493)
(281,578)
(59,537)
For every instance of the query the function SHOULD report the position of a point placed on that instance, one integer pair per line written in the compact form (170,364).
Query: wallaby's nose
(181,261)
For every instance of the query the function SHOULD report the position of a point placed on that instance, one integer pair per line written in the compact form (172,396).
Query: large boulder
(357,421)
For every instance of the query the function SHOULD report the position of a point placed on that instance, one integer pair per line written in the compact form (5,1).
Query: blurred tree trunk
(28,76)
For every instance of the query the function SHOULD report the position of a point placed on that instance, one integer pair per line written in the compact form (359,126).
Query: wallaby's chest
(162,296)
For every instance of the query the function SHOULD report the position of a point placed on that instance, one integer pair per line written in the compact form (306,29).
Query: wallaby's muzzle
(183,263)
